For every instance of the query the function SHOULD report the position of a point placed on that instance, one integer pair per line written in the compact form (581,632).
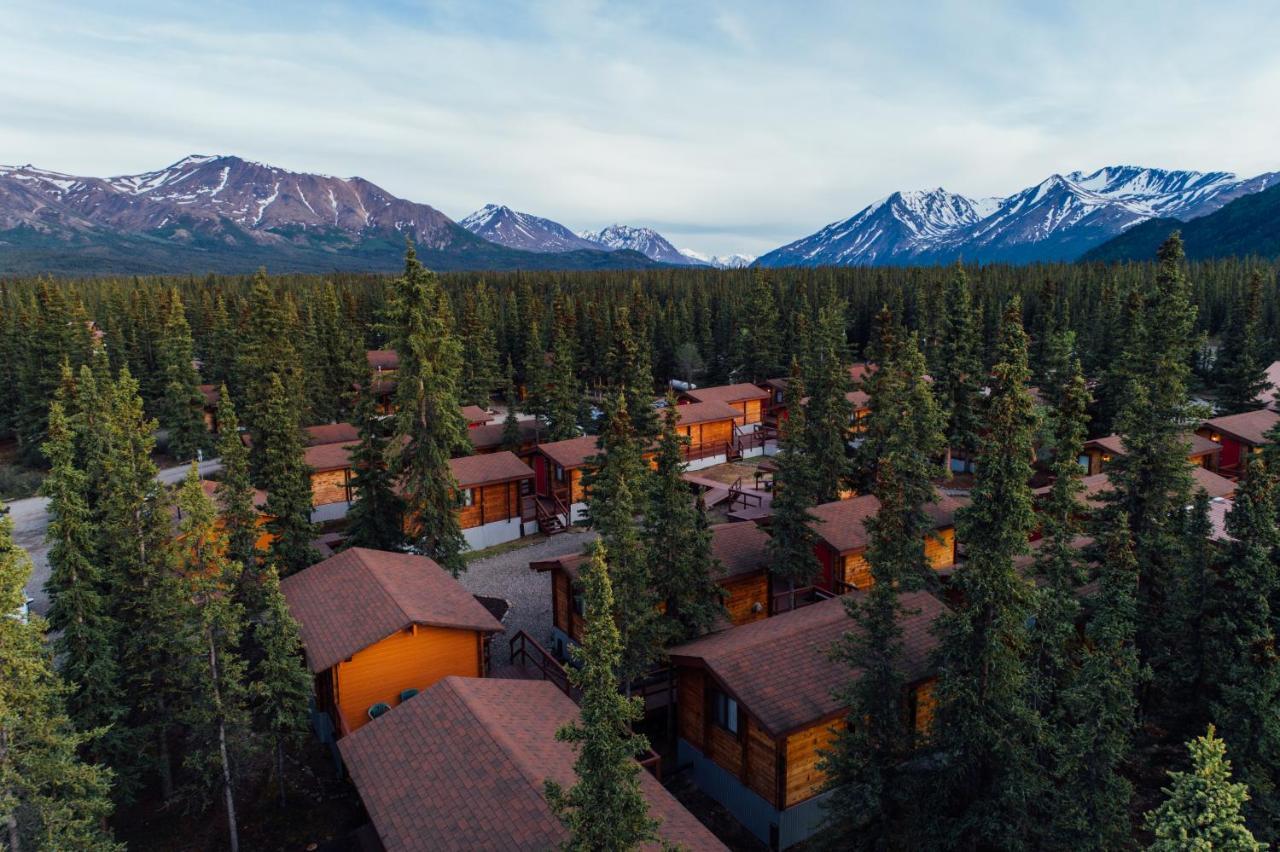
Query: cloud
(735,126)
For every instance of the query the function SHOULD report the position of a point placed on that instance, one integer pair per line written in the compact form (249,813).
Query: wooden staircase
(552,515)
(737,494)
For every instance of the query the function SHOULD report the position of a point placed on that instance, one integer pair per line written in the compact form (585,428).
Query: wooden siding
(940,548)
(744,592)
(924,704)
(761,771)
(560,599)
(414,658)
(856,570)
(802,778)
(710,435)
(490,503)
(724,748)
(689,697)
(329,486)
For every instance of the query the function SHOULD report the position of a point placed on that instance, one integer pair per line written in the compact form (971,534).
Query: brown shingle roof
(1250,427)
(1113,445)
(780,669)
(571,453)
(727,393)
(382,359)
(706,412)
(474,471)
(359,597)
(210,488)
(570,564)
(489,435)
(211,394)
(1267,396)
(740,548)
(475,414)
(859,399)
(331,433)
(1099,484)
(324,457)
(842,523)
(462,766)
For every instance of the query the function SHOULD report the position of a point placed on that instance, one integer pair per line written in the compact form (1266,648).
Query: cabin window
(1084,462)
(559,473)
(580,604)
(724,711)
(468,497)
(777,397)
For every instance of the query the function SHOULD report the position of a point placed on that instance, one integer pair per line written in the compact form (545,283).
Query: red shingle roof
(382,359)
(740,548)
(475,414)
(474,471)
(359,597)
(1251,427)
(571,453)
(325,457)
(706,412)
(331,433)
(462,766)
(727,393)
(489,435)
(842,523)
(1113,445)
(780,669)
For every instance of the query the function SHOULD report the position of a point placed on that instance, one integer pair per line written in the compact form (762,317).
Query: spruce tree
(1095,710)
(615,483)
(511,422)
(287,481)
(828,410)
(234,491)
(181,406)
(762,357)
(869,794)
(281,686)
(958,377)
(605,808)
(985,723)
(631,371)
(87,633)
(792,562)
(376,517)
(218,735)
(1242,368)
(561,391)
(681,564)
(268,349)
(1202,809)
(480,372)
(429,425)
(1242,669)
(49,797)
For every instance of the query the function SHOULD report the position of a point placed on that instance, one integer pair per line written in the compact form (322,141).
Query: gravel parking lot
(507,576)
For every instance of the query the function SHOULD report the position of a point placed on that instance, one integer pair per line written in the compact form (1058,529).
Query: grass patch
(505,547)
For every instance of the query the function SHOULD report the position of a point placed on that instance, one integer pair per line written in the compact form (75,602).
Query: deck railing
(526,649)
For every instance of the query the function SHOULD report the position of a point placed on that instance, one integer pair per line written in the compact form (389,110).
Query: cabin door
(540,475)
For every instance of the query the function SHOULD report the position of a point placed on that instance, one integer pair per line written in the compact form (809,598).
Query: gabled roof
(1114,445)
(489,435)
(462,766)
(571,453)
(1251,427)
(326,457)
(727,393)
(331,433)
(706,412)
(475,414)
(360,597)
(780,669)
(1267,396)
(741,549)
(842,523)
(382,359)
(475,471)
(859,399)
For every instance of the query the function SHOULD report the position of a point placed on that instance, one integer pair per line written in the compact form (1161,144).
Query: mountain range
(1058,219)
(226,214)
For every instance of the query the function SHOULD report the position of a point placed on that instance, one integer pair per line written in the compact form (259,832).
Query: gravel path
(507,576)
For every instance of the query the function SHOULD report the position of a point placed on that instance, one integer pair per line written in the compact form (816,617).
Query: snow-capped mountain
(719,261)
(1060,218)
(499,224)
(647,241)
(228,214)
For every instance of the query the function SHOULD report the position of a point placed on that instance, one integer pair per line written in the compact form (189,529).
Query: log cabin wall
(744,594)
(489,503)
(330,486)
(712,434)
(802,777)
(940,548)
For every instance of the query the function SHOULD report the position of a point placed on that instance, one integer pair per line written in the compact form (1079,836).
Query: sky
(728,126)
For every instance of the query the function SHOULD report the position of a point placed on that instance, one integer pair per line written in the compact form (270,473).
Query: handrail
(548,666)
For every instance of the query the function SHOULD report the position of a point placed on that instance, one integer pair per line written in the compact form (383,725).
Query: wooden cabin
(462,766)
(493,490)
(776,408)
(1099,452)
(843,540)
(711,428)
(331,473)
(755,710)
(488,438)
(1239,435)
(557,469)
(742,572)
(331,433)
(264,539)
(212,395)
(376,624)
(748,399)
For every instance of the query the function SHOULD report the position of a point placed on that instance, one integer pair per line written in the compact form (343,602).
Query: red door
(540,475)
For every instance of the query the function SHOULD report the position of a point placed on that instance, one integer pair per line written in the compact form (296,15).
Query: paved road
(31,518)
